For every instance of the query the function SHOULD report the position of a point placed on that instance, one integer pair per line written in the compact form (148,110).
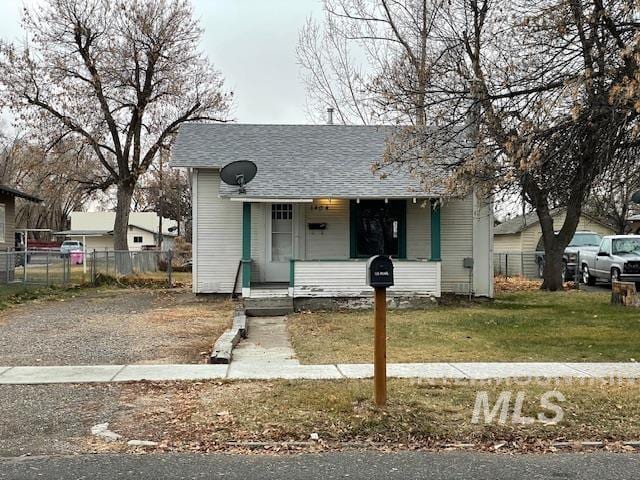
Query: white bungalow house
(315,212)
(95,229)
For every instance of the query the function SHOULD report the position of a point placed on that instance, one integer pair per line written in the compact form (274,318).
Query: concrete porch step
(268,307)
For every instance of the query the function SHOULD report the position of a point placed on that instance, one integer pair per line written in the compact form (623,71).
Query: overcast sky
(252,42)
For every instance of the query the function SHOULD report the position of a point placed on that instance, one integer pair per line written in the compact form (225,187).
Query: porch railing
(347,278)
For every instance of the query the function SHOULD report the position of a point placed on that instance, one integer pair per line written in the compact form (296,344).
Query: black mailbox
(380,272)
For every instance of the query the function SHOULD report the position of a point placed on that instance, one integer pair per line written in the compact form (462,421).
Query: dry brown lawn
(204,416)
(523,326)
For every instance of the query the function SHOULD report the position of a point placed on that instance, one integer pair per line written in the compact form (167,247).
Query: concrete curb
(222,351)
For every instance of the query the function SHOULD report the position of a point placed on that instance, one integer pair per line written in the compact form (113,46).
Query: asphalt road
(351,465)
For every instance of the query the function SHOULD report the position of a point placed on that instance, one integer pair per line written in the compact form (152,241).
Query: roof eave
(293,199)
(18,193)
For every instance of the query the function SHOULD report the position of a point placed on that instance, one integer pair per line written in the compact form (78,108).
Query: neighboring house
(8,225)
(95,229)
(315,212)
(521,236)
(634,224)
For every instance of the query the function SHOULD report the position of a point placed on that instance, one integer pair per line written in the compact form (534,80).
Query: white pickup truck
(617,259)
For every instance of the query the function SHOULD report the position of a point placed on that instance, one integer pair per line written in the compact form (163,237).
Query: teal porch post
(435,231)
(292,272)
(246,245)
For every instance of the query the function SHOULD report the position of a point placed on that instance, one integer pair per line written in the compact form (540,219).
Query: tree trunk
(552,273)
(123,207)
(555,243)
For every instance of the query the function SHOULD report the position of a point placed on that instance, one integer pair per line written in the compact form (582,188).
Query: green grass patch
(16,294)
(528,326)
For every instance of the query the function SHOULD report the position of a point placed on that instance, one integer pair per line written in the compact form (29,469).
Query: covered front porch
(317,248)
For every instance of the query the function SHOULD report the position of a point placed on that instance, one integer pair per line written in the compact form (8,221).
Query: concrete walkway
(267,349)
(286,370)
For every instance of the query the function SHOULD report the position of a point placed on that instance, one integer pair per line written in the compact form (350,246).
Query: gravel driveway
(120,326)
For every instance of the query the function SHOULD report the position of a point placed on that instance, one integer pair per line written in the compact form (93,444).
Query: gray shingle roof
(298,161)
(516,224)
(522,222)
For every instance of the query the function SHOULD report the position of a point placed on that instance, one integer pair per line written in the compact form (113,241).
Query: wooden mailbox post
(380,277)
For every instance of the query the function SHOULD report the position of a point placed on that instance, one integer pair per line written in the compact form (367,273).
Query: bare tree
(370,60)
(52,175)
(528,98)
(610,199)
(121,75)
(167,193)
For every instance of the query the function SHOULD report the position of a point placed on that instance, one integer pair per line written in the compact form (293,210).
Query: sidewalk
(289,370)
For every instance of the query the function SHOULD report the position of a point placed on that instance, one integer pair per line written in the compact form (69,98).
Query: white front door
(279,242)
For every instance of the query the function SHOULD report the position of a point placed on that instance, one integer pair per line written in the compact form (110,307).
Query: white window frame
(141,237)
(283,209)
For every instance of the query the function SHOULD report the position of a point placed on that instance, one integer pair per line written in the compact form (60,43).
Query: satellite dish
(239,173)
(635,198)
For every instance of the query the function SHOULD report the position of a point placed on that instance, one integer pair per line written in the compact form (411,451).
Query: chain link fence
(530,266)
(517,264)
(51,268)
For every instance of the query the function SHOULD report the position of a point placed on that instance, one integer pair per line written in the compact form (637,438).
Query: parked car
(69,246)
(582,243)
(617,259)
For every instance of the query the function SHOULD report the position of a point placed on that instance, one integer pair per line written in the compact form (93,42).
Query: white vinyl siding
(258,240)
(332,243)
(507,243)
(218,245)
(348,279)
(418,230)
(456,237)
(102,242)
(532,235)
(217,236)
(148,239)
(482,246)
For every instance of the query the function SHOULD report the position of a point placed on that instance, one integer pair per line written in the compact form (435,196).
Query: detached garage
(516,241)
